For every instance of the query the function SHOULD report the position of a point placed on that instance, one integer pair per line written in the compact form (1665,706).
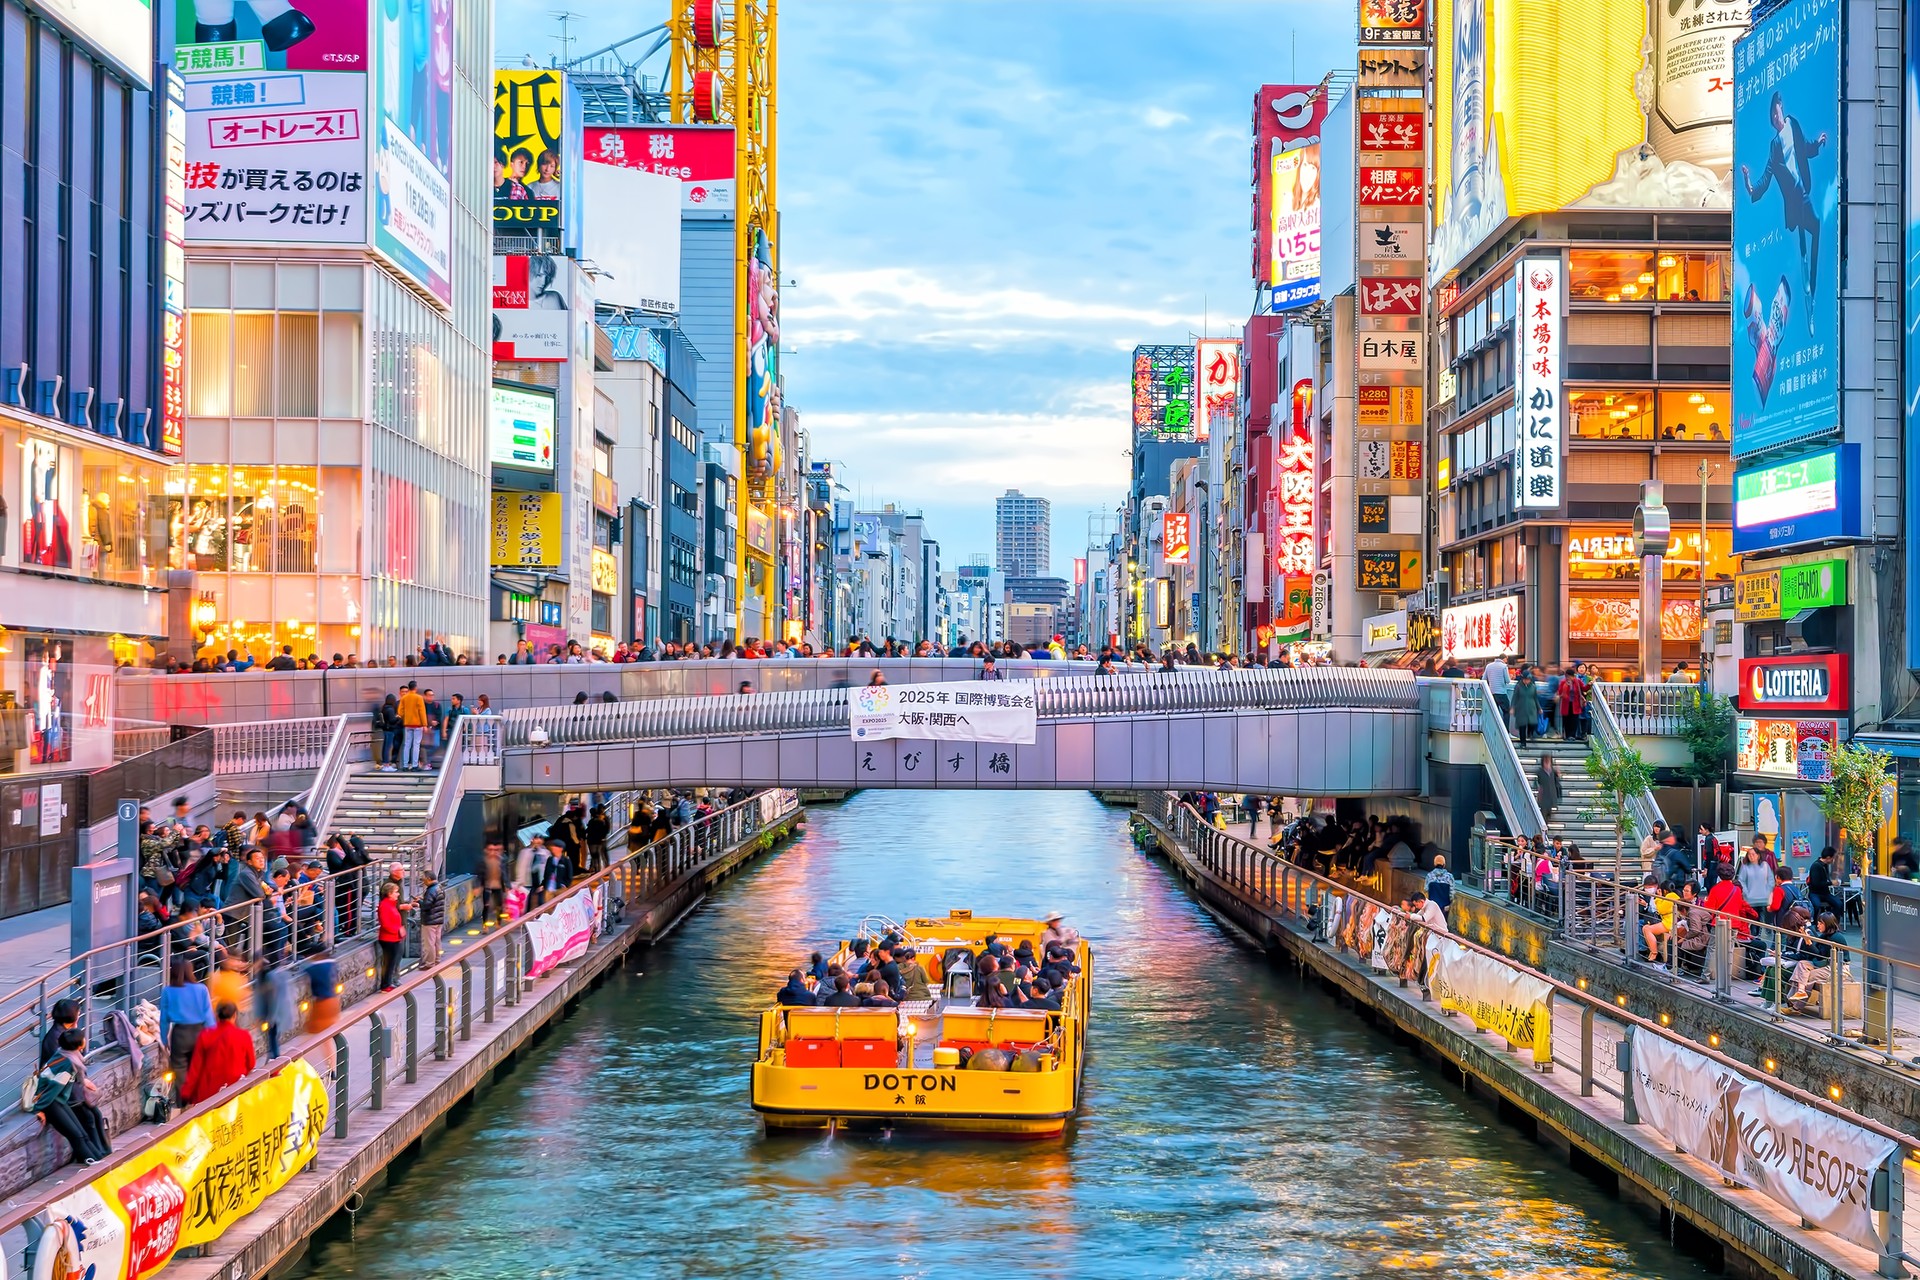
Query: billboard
(1176,543)
(634,237)
(530,317)
(276,158)
(225,36)
(1540,464)
(1806,499)
(1786,229)
(529,140)
(1393,21)
(1549,104)
(173,272)
(1217,366)
(520,428)
(526,530)
(412,121)
(1164,379)
(699,157)
(1287,121)
(763,364)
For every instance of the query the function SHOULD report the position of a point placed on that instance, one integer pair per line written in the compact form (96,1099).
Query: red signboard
(1284,116)
(1175,544)
(1294,545)
(1389,296)
(1393,131)
(1393,186)
(702,157)
(1796,682)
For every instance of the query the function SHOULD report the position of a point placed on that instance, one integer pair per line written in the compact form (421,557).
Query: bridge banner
(980,711)
(1815,1164)
(191,1185)
(1497,996)
(561,934)
(1683,1094)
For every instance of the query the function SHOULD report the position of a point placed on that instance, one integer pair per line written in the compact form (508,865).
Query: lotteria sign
(1805,499)
(1802,682)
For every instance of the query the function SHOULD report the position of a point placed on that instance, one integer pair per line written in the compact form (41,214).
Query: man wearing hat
(1057,931)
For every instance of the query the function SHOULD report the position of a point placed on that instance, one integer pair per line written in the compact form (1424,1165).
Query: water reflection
(1237,1122)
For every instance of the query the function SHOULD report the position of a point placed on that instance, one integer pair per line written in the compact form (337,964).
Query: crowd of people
(889,971)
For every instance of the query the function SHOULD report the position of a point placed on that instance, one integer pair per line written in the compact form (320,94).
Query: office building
(1023,535)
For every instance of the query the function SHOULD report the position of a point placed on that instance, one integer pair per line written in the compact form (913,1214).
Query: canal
(1237,1122)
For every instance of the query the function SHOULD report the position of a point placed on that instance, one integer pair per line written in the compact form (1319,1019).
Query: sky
(985,206)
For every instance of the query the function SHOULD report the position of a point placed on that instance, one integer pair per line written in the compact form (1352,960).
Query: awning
(1904,745)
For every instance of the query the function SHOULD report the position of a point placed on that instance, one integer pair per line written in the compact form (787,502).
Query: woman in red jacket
(393,931)
(222,1055)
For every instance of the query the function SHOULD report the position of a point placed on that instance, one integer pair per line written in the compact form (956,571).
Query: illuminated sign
(521,428)
(526,530)
(1484,630)
(1607,553)
(1384,632)
(1388,570)
(606,572)
(1295,550)
(1617,618)
(1804,500)
(1389,406)
(1393,21)
(173,286)
(1293,199)
(1391,242)
(1800,749)
(1218,367)
(1164,380)
(1393,186)
(1174,536)
(1389,296)
(1389,350)
(1393,131)
(1798,682)
(1538,459)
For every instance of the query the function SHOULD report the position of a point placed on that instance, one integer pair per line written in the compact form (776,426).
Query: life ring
(56,1254)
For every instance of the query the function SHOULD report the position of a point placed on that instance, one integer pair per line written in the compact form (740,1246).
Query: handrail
(814,710)
(330,779)
(1190,827)
(271,746)
(1646,709)
(1470,708)
(1642,810)
(504,954)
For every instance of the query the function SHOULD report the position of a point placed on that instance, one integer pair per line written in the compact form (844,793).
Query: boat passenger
(795,992)
(1045,994)
(1057,930)
(818,967)
(885,969)
(992,994)
(860,949)
(842,997)
(913,977)
(872,999)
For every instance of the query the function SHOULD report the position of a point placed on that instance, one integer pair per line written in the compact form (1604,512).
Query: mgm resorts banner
(985,711)
(1497,996)
(1816,1164)
(191,1185)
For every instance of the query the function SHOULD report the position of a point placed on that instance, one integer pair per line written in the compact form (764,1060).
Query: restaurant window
(1694,276)
(1700,414)
(260,519)
(1606,553)
(1610,275)
(1604,414)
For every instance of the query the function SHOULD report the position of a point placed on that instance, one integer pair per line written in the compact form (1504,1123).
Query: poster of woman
(50,692)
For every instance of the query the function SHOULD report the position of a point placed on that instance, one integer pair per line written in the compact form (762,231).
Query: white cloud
(1162,118)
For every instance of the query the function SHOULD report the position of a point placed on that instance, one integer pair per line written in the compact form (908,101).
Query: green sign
(1812,586)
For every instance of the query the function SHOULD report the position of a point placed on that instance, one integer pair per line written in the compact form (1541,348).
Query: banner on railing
(1816,1164)
(191,1185)
(561,934)
(982,711)
(1683,1094)
(1495,995)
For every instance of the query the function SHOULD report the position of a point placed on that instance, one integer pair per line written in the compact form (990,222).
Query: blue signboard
(1811,498)
(1786,228)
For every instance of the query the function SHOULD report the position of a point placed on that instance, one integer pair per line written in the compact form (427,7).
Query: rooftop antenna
(566,37)
(1293,54)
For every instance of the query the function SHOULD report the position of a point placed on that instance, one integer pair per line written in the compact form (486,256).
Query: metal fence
(389,1035)
(1648,710)
(1585,1027)
(273,746)
(146,777)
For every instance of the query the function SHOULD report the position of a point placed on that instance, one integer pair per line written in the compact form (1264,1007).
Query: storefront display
(1616,618)
(1605,553)
(1798,749)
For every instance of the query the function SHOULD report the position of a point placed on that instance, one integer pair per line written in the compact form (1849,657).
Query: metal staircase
(386,810)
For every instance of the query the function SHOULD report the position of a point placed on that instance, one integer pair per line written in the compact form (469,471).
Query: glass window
(1697,414)
(201,513)
(209,381)
(341,367)
(1610,414)
(1694,276)
(1610,275)
(297,371)
(121,531)
(252,364)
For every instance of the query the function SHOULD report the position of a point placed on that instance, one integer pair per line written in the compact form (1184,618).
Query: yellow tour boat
(928,1065)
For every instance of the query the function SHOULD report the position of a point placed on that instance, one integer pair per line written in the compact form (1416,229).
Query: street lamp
(205,614)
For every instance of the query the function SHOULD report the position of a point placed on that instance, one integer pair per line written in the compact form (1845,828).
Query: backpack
(40,1087)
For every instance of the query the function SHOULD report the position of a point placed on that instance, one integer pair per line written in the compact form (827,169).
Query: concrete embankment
(1744,1232)
(484,1031)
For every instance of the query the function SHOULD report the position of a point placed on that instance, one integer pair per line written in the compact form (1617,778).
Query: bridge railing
(1586,1028)
(272,746)
(384,1039)
(1060,697)
(1648,710)
(1467,706)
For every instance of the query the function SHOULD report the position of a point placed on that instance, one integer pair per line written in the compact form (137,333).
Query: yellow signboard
(526,530)
(1756,596)
(191,1185)
(606,573)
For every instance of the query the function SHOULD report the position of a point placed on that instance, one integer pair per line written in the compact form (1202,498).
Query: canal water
(1237,1122)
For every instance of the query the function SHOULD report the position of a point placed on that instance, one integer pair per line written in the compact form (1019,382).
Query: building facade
(1023,535)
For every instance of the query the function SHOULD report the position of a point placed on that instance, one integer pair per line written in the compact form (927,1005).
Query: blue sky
(985,206)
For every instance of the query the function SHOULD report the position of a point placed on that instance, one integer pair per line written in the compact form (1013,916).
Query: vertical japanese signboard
(1286,192)
(173,277)
(1176,540)
(1163,392)
(1296,542)
(1218,367)
(1539,464)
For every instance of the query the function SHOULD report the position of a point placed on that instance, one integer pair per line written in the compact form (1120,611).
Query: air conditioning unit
(1742,808)
(1386,603)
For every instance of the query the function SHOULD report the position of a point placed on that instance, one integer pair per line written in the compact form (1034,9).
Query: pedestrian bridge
(1318,731)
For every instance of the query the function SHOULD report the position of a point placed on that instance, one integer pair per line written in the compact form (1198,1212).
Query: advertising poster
(520,431)
(191,1185)
(763,364)
(633,236)
(699,157)
(1164,379)
(1293,266)
(1813,749)
(225,36)
(49,681)
(276,158)
(46,540)
(529,139)
(530,316)
(1786,229)
(413,140)
(526,530)
(945,712)
(1286,118)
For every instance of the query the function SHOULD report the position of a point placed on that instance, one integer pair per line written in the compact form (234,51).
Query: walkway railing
(1648,710)
(1586,1028)
(1642,810)
(272,746)
(389,1035)
(814,710)
(1467,706)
